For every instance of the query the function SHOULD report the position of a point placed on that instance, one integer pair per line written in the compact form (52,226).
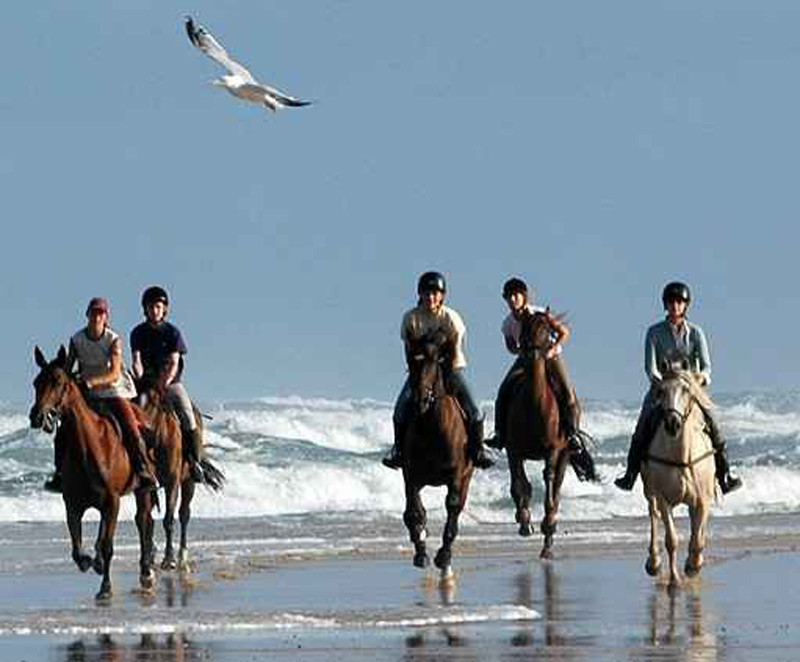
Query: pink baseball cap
(98,303)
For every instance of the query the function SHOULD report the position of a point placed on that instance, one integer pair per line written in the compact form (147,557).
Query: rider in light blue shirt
(675,336)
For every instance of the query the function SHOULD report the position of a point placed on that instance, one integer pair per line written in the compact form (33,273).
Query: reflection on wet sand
(437,594)
(149,648)
(559,643)
(685,635)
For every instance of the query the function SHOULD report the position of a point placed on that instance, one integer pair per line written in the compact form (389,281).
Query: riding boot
(193,447)
(640,442)
(139,461)
(574,443)
(498,440)
(727,482)
(55,482)
(475,445)
(394,460)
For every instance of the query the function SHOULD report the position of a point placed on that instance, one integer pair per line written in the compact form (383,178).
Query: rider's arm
(170,370)
(703,357)
(561,331)
(113,372)
(72,356)
(136,364)
(511,344)
(650,367)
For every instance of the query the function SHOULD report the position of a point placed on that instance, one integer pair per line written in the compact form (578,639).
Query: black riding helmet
(514,286)
(431,281)
(154,294)
(676,290)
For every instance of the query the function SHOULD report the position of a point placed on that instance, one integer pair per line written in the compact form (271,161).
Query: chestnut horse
(96,470)
(679,468)
(174,476)
(535,433)
(434,449)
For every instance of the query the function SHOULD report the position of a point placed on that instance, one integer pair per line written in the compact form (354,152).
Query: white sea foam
(300,456)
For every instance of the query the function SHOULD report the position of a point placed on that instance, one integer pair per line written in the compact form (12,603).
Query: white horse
(679,469)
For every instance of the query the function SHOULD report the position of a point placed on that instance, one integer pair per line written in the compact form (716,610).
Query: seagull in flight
(239,81)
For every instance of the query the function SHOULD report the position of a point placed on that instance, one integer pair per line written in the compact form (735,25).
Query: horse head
(52,386)
(676,393)
(535,334)
(427,360)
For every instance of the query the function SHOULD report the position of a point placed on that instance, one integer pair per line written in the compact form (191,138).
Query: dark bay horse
(96,470)
(434,449)
(535,433)
(173,475)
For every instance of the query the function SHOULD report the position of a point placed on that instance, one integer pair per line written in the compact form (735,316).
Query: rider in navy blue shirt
(158,348)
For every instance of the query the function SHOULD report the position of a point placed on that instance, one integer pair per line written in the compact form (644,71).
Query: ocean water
(298,458)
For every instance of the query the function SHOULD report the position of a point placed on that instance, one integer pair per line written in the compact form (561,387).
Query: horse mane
(689,380)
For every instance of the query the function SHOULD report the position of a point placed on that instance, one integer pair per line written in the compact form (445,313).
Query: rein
(674,463)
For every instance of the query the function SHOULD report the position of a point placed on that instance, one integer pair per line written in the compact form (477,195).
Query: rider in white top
(515,293)
(428,316)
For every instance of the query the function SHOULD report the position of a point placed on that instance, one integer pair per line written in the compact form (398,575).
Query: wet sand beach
(248,599)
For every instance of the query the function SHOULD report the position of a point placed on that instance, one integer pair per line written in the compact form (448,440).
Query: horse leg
(550,522)
(670,542)
(144,523)
(105,545)
(653,564)
(414,518)
(171,498)
(698,514)
(185,513)
(454,502)
(81,558)
(521,492)
(548,525)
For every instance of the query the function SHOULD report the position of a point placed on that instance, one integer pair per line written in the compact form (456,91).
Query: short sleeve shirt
(419,322)
(512,328)
(156,344)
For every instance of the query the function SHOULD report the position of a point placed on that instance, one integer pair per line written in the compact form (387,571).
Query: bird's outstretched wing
(285,99)
(202,39)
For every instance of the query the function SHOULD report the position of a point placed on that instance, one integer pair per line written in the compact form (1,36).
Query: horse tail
(215,479)
(582,461)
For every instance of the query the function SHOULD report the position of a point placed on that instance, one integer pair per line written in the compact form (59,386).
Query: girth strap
(680,465)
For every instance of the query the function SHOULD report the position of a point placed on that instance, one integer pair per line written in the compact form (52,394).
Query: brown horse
(434,449)
(535,433)
(173,475)
(96,470)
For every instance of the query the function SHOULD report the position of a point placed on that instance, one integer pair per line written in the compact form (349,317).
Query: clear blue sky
(597,149)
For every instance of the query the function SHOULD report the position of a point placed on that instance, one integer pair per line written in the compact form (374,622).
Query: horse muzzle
(672,423)
(425,401)
(46,420)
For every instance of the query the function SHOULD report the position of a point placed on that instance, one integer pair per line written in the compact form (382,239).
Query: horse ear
(39,357)
(685,364)
(61,359)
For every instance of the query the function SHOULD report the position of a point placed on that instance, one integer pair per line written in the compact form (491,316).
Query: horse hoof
(421,560)
(103,595)
(546,554)
(691,570)
(442,560)
(651,568)
(83,563)
(169,564)
(147,582)
(525,530)
(98,565)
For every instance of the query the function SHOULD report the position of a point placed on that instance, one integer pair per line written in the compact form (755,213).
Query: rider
(158,348)
(663,340)
(429,316)
(515,292)
(98,351)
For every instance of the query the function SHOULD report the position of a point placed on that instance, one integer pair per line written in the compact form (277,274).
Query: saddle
(100,406)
